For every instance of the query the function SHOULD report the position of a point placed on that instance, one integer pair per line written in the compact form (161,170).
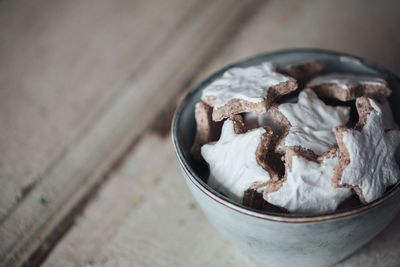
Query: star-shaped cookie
(347,87)
(238,161)
(367,153)
(306,187)
(207,129)
(308,123)
(250,89)
(303,71)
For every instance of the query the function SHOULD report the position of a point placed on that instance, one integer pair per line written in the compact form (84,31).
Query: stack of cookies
(285,138)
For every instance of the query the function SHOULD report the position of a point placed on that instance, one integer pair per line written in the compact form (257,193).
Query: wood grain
(368,29)
(62,63)
(81,81)
(277,25)
(145,199)
(131,110)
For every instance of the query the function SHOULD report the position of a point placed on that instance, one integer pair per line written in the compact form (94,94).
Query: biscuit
(251,120)
(307,124)
(254,120)
(207,129)
(238,124)
(266,155)
(367,153)
(250,89)
(366,105)
(237,161)
(303,71)
(306,187)
(347,87)
(253,198)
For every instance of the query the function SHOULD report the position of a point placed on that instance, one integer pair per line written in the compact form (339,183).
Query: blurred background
(88,175)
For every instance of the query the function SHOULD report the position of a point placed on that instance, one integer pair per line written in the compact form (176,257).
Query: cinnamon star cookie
(367,153)
(250,89)
(237,161)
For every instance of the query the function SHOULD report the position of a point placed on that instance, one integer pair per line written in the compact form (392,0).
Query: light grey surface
(65,66)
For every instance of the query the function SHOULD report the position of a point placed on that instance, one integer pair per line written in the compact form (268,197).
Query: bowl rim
(267,215)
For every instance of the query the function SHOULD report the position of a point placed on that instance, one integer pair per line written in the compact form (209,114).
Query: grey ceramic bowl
(276,239)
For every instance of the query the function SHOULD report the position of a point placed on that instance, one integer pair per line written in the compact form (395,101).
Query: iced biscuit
(254,120)
(238,124)
(388,120)
(253,196)
(366,105)
(237,161)
(367,153)
(251,120)
(306,187)
(347,87)
(303,71)
(250,89)
(308,124)
(207,129)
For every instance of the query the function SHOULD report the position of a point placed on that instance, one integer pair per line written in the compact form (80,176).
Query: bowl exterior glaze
(277,243)
(279,240)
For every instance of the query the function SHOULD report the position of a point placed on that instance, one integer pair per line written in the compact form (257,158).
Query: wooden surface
(87,88)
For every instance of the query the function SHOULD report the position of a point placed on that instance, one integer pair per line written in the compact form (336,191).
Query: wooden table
(87,89)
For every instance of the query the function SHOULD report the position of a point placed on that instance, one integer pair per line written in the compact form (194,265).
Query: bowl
(277,239)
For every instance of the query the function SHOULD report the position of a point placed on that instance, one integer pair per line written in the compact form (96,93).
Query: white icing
(261,189)
(250,84)
(233,163)
(372,164)
(308,187)
(386,111)
(312,122)
(346,81)
(264,119)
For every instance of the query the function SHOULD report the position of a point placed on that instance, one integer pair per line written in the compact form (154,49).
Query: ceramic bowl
(276,239)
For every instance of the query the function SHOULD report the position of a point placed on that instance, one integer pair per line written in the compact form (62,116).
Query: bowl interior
(184,124)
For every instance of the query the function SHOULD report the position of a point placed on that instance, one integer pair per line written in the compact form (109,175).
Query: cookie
(367,153)
(254,120)
(308,124)
(251,120)
(207,129)
(253,198)
(347,87)
(306,187)
(270,157)
(303,71)
(366,105)
(238,124)
(236,161)
(387,115)
(250,89)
